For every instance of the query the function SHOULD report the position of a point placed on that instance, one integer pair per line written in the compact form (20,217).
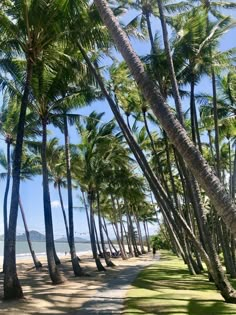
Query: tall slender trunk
(108,261)
(92,234)
(5,200)
(234,175)
(198,165)
(86,211)
(139,234)
(50,246)
(63,213)
(74,259)
(120,239)
(174,84)
(12,287)
(216,125)
(37,263)
(146,236)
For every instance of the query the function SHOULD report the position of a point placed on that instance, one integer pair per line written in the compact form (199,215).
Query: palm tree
(28,29)
(93,155)
(203,173)
(214,7)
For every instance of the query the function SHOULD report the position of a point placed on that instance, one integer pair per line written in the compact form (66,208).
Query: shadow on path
(109,298)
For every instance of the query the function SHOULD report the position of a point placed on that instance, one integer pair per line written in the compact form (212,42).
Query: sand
(41,297)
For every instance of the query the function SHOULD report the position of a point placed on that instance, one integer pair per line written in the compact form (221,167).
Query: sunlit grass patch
(167,288)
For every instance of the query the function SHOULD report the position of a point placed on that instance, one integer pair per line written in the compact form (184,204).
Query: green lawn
(166,288)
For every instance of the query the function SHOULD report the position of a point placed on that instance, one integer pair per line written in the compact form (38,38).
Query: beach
(41,297)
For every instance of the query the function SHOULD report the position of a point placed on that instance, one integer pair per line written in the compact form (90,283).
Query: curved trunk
(198,165)
(5,220)
(12,287)
(37,263)
(74,259)
(50,246)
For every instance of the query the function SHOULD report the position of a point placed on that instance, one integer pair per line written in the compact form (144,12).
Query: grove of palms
(169,153)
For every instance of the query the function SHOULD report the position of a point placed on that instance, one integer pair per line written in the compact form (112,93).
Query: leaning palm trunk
(197,164)
(110,243)
(50,247)
(12,287)
(74,259)
(37,263)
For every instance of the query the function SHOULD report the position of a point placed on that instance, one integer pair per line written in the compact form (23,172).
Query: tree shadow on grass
(167,288)
(196,307)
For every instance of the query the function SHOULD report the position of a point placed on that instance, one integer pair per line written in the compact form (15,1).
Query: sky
(31,191)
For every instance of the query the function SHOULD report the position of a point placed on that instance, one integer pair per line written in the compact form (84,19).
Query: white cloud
(55,204)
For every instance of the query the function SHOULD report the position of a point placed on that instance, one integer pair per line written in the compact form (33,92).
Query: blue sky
(31,191)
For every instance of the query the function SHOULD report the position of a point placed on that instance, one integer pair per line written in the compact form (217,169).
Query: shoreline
(27,258)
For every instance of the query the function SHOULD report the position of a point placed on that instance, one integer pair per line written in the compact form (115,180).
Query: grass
(166,288)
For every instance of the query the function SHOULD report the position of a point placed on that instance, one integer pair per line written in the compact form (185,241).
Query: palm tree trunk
(174,84)
(92,234)
(37,263)
(87,213)
(63,213)
(8,180)
(146,236)
(216,125)
(74,259)
(140,237)
(12,287)
(108,261)
(234,175)
(110,243)
(197,164)
(50,246)
(120,238)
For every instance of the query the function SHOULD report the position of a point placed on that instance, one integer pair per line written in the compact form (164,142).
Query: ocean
(22,249)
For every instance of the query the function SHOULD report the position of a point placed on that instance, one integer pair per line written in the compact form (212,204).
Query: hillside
(77,240)
(35,236)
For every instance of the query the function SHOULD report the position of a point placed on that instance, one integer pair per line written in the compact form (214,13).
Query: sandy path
(100,293)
